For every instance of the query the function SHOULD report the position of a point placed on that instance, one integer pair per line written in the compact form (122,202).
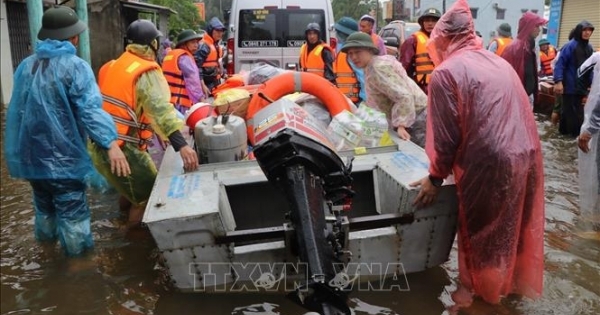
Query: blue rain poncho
(55,105)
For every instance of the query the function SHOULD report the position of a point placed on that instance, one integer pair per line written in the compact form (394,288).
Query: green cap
(431,12)
(504,30)
(346,25)
(359,40)
(543,41)
(186,36)
(60,23)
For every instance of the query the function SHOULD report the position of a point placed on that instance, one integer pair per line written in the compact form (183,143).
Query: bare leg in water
(124,204)
(462,296)
(136,213)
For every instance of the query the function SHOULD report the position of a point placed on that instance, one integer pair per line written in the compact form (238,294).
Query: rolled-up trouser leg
(135,187)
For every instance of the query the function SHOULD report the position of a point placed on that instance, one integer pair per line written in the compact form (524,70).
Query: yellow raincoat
(152,99)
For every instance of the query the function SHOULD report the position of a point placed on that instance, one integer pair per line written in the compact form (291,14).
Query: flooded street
(124,275)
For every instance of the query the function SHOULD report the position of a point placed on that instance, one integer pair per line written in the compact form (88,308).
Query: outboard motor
(294,154)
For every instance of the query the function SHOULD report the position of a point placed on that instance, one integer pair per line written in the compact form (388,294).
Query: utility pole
(443,6)
(84,38)
(35,10)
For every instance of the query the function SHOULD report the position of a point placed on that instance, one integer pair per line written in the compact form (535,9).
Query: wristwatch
(437,182)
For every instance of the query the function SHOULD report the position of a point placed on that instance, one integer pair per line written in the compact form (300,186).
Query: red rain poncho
(516,53)
(480,127)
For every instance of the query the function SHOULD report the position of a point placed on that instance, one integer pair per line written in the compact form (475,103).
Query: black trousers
(571,115)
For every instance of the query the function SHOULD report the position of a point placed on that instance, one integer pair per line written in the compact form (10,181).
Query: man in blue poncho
(54,106)
(566,82)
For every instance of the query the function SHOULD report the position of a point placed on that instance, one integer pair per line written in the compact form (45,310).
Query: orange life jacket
(345,78)
(375,39)
(117,79)
(313,62)
(216,52)
(423,64)
(546,60)
(174,76)
(502,42)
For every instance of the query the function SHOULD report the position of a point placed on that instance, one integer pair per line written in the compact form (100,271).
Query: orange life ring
(235,81)
(291,82)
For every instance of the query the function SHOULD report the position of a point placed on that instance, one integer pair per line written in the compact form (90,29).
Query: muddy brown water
(124,275)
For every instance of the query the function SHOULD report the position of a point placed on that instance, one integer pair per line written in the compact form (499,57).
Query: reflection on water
(124,275)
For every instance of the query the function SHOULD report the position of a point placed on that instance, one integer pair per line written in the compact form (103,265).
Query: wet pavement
(124,275)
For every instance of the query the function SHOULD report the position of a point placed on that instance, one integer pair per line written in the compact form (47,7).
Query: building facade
(107,23)
(562,15)
(569,13)
(488,15)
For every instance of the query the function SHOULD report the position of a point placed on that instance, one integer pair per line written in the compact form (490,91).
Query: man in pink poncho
(521,53)
(480,128)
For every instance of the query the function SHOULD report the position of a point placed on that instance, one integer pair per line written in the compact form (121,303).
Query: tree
(187,14)
(216,8)
(353,9)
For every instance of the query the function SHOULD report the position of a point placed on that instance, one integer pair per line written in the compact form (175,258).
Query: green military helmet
(346,25)
(360,40)
(504,30)
(187,35)
(60,23)
(431,12)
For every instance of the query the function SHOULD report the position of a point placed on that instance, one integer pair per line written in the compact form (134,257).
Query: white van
(273,30)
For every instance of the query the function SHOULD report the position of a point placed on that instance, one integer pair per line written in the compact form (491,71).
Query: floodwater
(124,274)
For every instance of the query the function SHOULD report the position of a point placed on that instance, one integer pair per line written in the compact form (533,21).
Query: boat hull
(222,228)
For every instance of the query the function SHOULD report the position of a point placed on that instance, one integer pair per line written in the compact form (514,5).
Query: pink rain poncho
(524,46)
(481,129)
